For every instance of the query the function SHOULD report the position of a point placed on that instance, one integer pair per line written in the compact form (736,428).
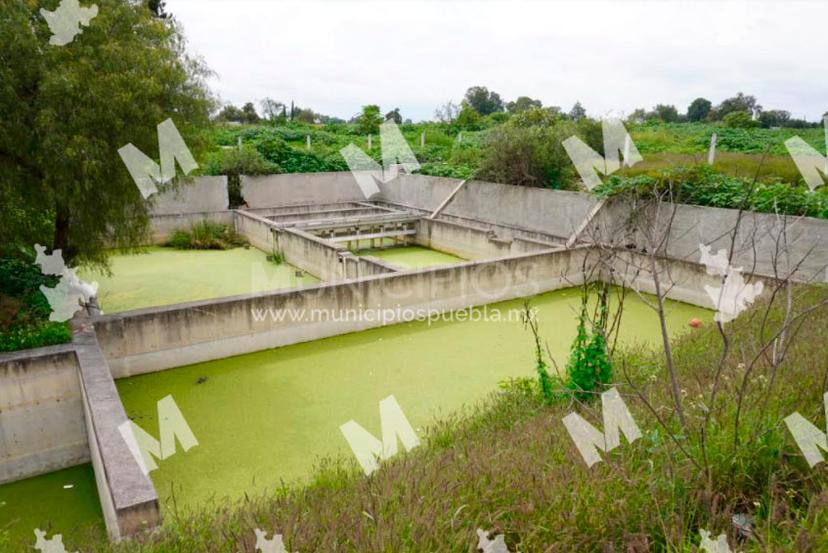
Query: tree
(447,113)
(667,113)
(231,113)
(482,101)
(740,120)
(523,103)
(577,112)
(157,7)
(698,110)
(249,112)
(469,119)
(272,110)
(394,115)
(68,109)
(740,102)
(369,121)
(774,118)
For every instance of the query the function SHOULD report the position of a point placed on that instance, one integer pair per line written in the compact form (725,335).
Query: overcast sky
(335,56)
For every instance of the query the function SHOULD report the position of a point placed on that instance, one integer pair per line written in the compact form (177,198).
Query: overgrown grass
(206,235)
(509,465)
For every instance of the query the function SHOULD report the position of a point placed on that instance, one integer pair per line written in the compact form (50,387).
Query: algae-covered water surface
(265,418)
(63,502)
(164,276)
(413,257)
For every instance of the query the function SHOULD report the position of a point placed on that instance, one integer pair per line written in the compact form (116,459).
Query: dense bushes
(701,185)
(24,310)
(206,235)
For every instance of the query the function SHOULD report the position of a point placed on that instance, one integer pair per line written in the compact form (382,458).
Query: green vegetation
(207,235)
(67,111)
(522,145)
(24,311)
(701,185)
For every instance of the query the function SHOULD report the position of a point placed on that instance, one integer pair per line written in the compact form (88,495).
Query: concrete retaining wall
(42,427)
(766,244)
(470,242)
(549,211)
(162,226)
(300,188)
(192,195)
(155,339)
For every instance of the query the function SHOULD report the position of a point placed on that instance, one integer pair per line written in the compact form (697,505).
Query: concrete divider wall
(155,339)
(300,188)
(469,242)
(42,427)
(192,195)
(555,212)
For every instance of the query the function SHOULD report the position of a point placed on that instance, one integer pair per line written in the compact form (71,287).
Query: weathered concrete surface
(128,498)
(299,188)
(549,211)
(155,339)
(162,226)
(472,243)
(765,244)
(42,427)
(192,195)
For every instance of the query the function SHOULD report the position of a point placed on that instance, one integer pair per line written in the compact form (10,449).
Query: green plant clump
(24,310)
(206,235)
(589,368)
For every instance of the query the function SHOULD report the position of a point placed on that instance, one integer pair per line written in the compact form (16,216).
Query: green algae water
(266,418)
(413,257)
(63,502)
(164,276)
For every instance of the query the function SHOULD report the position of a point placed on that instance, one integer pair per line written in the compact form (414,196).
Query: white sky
(335,56)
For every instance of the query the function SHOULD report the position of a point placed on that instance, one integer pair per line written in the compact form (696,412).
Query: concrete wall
(155,339)
(548,211)
(42,427)
(59,408)
(765,244)
(127,496)
(470,242)
(162,226)
(299,188)
(192,195)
